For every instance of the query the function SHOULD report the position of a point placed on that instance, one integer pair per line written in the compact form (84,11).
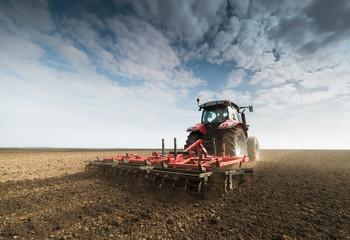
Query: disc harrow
(192,170)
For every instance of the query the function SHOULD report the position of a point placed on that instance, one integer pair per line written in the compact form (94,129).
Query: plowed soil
(293,194)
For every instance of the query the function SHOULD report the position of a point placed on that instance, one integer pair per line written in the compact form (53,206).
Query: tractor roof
(219,102)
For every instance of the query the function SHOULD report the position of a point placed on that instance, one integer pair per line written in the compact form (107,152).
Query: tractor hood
(228,124)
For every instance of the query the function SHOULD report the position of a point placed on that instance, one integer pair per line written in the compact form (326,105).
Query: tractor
(224,130)
(213,156)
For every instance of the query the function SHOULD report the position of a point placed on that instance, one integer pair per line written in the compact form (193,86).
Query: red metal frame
(196,157)
(137,159)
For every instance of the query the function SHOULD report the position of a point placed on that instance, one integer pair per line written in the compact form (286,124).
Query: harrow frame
(194,164)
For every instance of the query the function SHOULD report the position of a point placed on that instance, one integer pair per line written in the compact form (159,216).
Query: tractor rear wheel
(235,142)
(192,138)
(253,148)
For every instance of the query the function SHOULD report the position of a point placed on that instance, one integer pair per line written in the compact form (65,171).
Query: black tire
(253,148)
(235,142)
(192,138)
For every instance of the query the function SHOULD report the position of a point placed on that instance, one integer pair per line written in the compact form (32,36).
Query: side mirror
(251,108)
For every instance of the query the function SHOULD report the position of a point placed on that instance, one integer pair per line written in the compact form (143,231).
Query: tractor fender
(228,124)
(199,127)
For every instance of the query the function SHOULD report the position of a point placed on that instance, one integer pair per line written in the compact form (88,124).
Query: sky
(125,74)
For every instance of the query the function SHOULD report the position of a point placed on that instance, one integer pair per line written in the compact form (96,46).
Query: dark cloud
(329,16)
(227,26)
(330,22)
(251,33)
(15,15)
(187,21)
(318,25)
(292,31)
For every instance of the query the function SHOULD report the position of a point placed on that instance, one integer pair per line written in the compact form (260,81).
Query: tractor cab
(216,115)
(217,112)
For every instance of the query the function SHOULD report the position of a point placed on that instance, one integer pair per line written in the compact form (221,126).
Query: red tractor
(224,130)
(214,154)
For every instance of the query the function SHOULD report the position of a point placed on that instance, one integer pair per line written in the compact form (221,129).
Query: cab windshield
(215,115)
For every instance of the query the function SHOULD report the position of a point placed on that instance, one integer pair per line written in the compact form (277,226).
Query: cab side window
(231,114)
(235,115)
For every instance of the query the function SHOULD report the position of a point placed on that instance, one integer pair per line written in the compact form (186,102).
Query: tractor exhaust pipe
(245,127)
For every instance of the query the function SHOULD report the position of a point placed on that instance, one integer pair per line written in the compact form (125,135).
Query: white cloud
(235,77)
(142,44)
(207,95)
(240,98)
(11,43)
(69,103)
(147,55)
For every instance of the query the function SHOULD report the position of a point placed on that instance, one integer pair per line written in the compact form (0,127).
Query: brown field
(293,194)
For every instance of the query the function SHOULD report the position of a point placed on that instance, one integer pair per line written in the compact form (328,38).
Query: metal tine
(181,184)
(163,179)
(135,173)
(154,178)
(186,182)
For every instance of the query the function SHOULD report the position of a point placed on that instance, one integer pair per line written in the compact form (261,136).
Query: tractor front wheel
(253,148)
(235,142)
